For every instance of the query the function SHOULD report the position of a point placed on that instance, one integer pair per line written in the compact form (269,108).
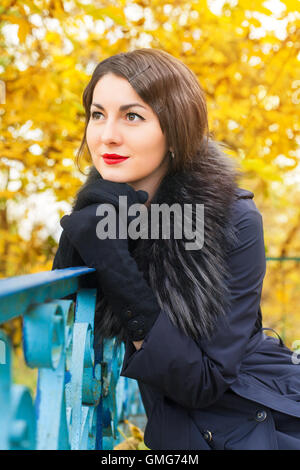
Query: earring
(172,154)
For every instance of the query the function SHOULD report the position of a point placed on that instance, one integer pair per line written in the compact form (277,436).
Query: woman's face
(133,132)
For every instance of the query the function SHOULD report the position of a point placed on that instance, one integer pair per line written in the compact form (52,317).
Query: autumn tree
(250,74)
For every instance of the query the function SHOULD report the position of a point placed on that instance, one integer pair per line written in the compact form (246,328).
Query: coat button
(207,436)
(129,314)
(261,415)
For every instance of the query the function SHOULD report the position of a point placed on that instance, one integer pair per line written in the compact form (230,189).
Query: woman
(190,318)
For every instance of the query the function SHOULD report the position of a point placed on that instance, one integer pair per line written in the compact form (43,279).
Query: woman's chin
(114,174)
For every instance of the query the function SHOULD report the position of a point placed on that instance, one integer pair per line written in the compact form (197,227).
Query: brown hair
(173,92)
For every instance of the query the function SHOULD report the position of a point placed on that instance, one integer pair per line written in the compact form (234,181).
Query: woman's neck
(151,183)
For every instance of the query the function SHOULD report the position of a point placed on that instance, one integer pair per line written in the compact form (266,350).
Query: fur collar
(190,285)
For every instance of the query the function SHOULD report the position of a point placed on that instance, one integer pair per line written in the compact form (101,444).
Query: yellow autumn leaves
(134,440)
(246,57)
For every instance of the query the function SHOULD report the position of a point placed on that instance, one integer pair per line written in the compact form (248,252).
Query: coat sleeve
(196,374)
(67,256)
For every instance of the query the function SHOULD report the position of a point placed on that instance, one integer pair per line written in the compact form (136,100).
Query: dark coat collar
(190,285)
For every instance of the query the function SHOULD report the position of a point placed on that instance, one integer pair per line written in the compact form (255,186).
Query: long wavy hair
(173,92)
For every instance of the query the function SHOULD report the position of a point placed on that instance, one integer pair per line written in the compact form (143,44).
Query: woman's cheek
(91,136)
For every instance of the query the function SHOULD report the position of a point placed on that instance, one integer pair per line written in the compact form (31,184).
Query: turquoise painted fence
(80,398)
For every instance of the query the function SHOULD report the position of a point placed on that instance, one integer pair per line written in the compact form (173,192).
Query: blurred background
(247,58)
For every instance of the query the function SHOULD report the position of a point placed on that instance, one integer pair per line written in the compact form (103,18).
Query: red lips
(113,158)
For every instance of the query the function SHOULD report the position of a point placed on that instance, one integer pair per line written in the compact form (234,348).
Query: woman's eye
(135,114)
(93,115)
(95,112)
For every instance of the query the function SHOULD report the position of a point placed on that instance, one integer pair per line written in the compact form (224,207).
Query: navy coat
(239,390)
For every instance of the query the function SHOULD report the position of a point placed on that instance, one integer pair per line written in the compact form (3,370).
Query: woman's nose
(110,132)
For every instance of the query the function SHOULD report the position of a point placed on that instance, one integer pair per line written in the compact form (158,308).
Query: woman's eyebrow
(122,108)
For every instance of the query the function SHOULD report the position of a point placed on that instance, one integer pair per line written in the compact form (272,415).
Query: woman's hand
(105,191)
(128,293)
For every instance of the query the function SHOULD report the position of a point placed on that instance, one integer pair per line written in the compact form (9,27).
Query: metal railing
(80,396)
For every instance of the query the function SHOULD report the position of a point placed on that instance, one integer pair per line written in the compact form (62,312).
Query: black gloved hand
(108,192)
(105,191)
(121,281)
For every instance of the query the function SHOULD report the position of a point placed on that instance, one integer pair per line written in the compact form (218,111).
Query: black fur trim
(190,285)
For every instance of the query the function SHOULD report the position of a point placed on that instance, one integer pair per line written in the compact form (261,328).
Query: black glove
(99,190)
(128,293)
(107,192)
(67,256)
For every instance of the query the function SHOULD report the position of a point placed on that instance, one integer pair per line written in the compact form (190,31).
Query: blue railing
(80,397)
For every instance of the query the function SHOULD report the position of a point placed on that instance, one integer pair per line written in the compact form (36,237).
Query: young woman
(190,318)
